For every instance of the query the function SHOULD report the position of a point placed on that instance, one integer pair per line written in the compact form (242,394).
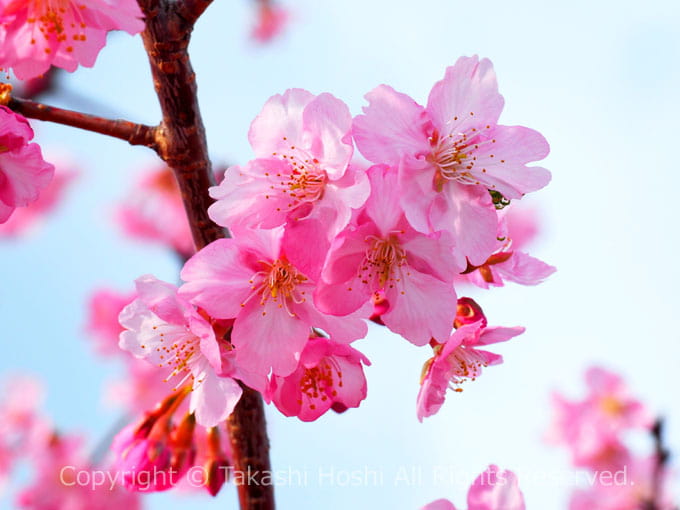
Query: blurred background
(599,79)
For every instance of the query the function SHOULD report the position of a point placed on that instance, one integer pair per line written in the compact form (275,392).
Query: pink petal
(393,125)
(423,307)
(214,398)
(524,269)
(468,87)
(495,489)
(267,337)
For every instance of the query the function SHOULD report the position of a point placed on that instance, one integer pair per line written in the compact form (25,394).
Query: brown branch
(191,10)
(134,134)
(182,145)
(661,456)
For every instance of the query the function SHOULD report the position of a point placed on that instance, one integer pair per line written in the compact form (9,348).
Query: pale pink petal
(383,205)
(267,337)
(495,489)
(467,96)
(216,279)
(421,308)
(467,212)
(23,174)
(214,398)
(494,335)
(502,157)
(524,269)
(440,504)
(279,125)
(328,123)
(392,125)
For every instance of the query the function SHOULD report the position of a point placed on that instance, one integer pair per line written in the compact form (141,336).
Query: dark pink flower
(458,360)
(328,373)
(23,171)
(250,279)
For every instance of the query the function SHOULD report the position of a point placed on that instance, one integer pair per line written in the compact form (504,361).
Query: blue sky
(598,79)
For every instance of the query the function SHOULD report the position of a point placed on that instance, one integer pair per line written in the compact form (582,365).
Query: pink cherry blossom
(629,487)
(104,307)
(328,374)
(451,153)
(167,331)
(302,177)
(25,219)
(56,487)
(270,21)
(23,172)
(494,489)
(153,211)
(36,34)
(380,251)
(249,278)
(458,360)
(508,262)
(592,427)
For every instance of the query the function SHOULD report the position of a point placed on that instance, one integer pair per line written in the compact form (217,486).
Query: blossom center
(320,381)
(279,282)
(383,262)
(464,363)
(454,155)
(61,19)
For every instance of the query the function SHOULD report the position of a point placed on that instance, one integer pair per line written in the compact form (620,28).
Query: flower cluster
(320,241)
(597,430)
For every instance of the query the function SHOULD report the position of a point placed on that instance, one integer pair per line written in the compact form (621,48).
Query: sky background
(599,79)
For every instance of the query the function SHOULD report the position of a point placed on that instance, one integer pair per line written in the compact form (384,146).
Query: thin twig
(134,134)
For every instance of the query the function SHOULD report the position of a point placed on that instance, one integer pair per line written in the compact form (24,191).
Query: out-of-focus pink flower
(168,332)
(508,263)
(302,178)
(494,489)
(250,278)
(22,427)
(104,308)
(154,212)
(270,21)
(458,360)
(25,219)
(451,153)
(64,33)
(23,171)
(628,487)
(328,373)
(381,252)
(592,428)
(57,486)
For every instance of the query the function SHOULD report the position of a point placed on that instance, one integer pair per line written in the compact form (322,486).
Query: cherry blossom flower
(508,262)
(451,153)
(167,331)
(328,374)
(380,251)
(458,360)
(154,211)
(104,307)
(494,489)
(303,147)
(26,219)
(270,21)
(592,427)
(36,34)
(23,172)
(56,485)
(250,278)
